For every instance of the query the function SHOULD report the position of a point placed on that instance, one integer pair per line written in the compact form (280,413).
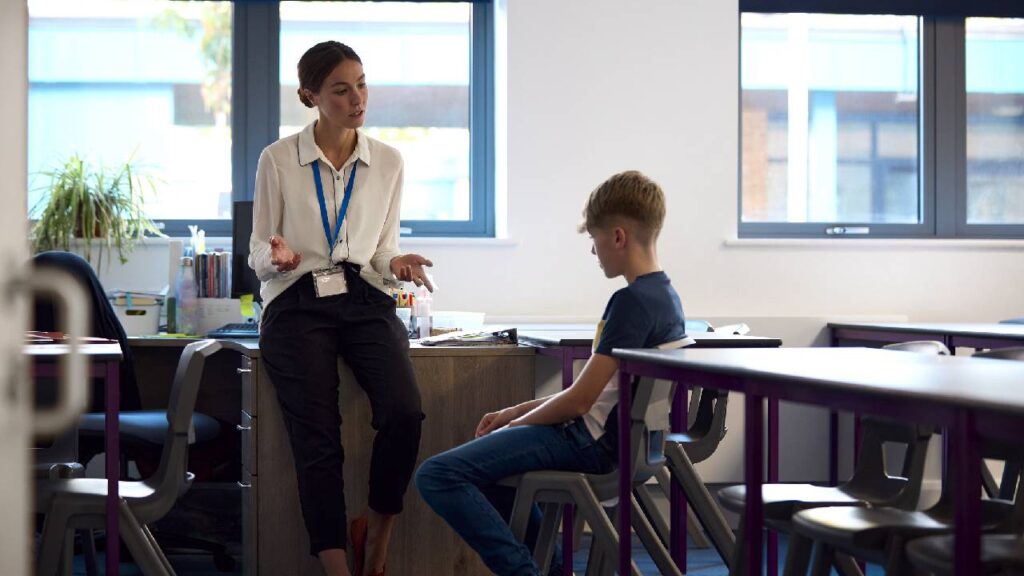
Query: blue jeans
(460,485)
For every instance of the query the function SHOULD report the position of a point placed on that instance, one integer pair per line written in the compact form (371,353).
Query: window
(148,81)
(851,125)
(417,58)
(160,79)
(995,121)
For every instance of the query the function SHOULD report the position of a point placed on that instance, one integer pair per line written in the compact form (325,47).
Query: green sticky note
(246,305)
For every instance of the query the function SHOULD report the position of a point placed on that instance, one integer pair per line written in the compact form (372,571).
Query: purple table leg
(113,467)
(567,516)
(967,484)
(773,477)
(753,468)
(625,473)
(677,499)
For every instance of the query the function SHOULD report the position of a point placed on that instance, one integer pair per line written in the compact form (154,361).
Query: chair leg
(695,530)
(649,538)
(650,510)
(823,560)
(89,550)
(144,551)
(577,531)
(738,561)
(156,548)
(52,547)
(603,530)
(988,482)
(798,555)
(67,557)
(846,565)
(1008,485)
(702,504)
(896,563)
(547,536)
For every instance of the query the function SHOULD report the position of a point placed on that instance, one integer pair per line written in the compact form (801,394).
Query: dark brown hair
(629,195)
(317,64)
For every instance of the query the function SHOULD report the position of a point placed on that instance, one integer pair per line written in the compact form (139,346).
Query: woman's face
(342,97)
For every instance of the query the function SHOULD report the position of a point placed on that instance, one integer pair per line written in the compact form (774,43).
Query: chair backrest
(171,477)
(870,476)
(649,419)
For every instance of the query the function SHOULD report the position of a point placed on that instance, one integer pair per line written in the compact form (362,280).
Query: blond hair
(629,195)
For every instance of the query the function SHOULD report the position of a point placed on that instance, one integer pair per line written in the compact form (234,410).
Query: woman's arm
(576,400)
(267,212)
(387,243)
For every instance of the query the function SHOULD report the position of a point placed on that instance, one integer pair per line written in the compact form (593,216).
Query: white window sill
(876,243)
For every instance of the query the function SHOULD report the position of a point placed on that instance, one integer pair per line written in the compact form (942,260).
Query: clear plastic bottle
(423,305)
(187,299)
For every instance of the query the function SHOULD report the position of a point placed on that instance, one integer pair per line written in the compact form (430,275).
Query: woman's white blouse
(286,204)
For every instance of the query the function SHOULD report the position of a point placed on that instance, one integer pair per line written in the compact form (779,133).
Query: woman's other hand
(282,256)
(494,420)
(409,268)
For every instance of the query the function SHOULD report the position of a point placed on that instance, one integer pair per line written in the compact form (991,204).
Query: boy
(569,430)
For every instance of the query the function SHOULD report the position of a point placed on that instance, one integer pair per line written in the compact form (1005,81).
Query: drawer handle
(243,485)
(243,370)
(241,428)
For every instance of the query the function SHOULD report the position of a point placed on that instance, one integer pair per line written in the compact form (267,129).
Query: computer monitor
(243,278)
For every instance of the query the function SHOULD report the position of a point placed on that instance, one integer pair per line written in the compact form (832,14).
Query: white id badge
(329,281)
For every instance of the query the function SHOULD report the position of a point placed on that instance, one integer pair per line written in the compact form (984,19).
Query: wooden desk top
(980,383)
(993,329)
(585,338)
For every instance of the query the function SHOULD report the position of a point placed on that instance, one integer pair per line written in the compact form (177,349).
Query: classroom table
(953,334)
(973,398)
(569,345)
(104,362)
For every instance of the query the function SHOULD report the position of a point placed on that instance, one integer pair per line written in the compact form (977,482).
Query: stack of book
(213,274)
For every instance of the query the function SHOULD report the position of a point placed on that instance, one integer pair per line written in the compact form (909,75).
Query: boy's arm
(576,400)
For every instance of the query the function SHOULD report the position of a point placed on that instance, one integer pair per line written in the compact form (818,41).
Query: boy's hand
(494,420)
(282,256)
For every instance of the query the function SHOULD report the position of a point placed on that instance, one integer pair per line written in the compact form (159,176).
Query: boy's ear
(619,236)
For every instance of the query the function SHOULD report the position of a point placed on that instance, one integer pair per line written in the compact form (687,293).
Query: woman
(325,238)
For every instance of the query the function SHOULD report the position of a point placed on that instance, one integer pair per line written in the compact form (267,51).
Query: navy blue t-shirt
(644,314)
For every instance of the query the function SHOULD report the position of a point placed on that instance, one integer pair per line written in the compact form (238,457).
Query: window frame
(255,120)
(942,140)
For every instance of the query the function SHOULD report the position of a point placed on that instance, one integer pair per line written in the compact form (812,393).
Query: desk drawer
(249,372)
(247,432)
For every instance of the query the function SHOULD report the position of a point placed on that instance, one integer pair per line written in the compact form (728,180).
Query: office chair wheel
(224,562)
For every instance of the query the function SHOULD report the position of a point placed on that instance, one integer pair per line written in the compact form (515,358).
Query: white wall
(602,86)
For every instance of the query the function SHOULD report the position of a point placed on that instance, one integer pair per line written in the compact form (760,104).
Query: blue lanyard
(332,238)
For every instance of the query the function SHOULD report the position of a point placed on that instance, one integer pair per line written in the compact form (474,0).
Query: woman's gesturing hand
(282,256)
(494,420)
(409,268)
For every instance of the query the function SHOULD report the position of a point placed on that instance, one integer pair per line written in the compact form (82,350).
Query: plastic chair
(870,485)
(81,502)
(705,431)
(551,489)
(880,534)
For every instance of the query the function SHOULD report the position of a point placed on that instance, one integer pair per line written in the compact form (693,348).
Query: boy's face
(608,244)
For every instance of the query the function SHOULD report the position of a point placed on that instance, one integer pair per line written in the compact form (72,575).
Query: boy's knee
(429,476)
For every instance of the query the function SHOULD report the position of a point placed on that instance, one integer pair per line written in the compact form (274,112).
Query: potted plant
(93,204)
